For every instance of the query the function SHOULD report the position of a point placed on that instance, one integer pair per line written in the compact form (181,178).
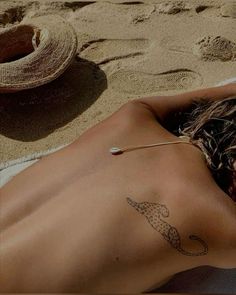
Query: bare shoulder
(134,111)
(131,118)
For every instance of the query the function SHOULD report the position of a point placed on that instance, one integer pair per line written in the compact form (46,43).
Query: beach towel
(10,169)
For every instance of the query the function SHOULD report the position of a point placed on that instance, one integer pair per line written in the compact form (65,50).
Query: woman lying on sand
(86,220)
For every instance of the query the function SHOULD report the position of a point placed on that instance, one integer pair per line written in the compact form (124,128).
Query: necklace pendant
(116,151)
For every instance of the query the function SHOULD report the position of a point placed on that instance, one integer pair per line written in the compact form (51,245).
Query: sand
(127,49)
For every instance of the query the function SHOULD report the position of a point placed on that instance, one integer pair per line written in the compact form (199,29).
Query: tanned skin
(84,220)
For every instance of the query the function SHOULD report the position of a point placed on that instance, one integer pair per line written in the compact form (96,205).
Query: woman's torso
(69,225)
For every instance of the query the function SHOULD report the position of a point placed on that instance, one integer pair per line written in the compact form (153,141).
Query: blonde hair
(212,126)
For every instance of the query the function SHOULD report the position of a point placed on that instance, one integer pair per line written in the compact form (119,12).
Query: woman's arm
(165,106)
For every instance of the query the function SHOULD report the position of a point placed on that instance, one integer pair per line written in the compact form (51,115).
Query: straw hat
(44,46)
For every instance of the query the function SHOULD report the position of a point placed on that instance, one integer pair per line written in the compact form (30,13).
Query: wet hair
(212,126)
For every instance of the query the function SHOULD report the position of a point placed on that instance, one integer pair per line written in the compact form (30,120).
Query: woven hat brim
(56,49)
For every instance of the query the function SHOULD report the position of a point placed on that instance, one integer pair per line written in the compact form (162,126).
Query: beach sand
(126,49)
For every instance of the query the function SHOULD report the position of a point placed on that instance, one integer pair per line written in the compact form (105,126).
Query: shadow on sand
(33,114)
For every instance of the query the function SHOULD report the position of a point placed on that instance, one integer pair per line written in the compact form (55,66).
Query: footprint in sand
(146,83)
(175,43)
(228,10)
(173,7)
(212,48)
(143,15)
(106,17)
(201,8)
(105,50)
(225,10)
(207,10)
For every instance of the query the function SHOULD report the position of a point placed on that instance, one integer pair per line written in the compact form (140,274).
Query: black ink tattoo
(153,212)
